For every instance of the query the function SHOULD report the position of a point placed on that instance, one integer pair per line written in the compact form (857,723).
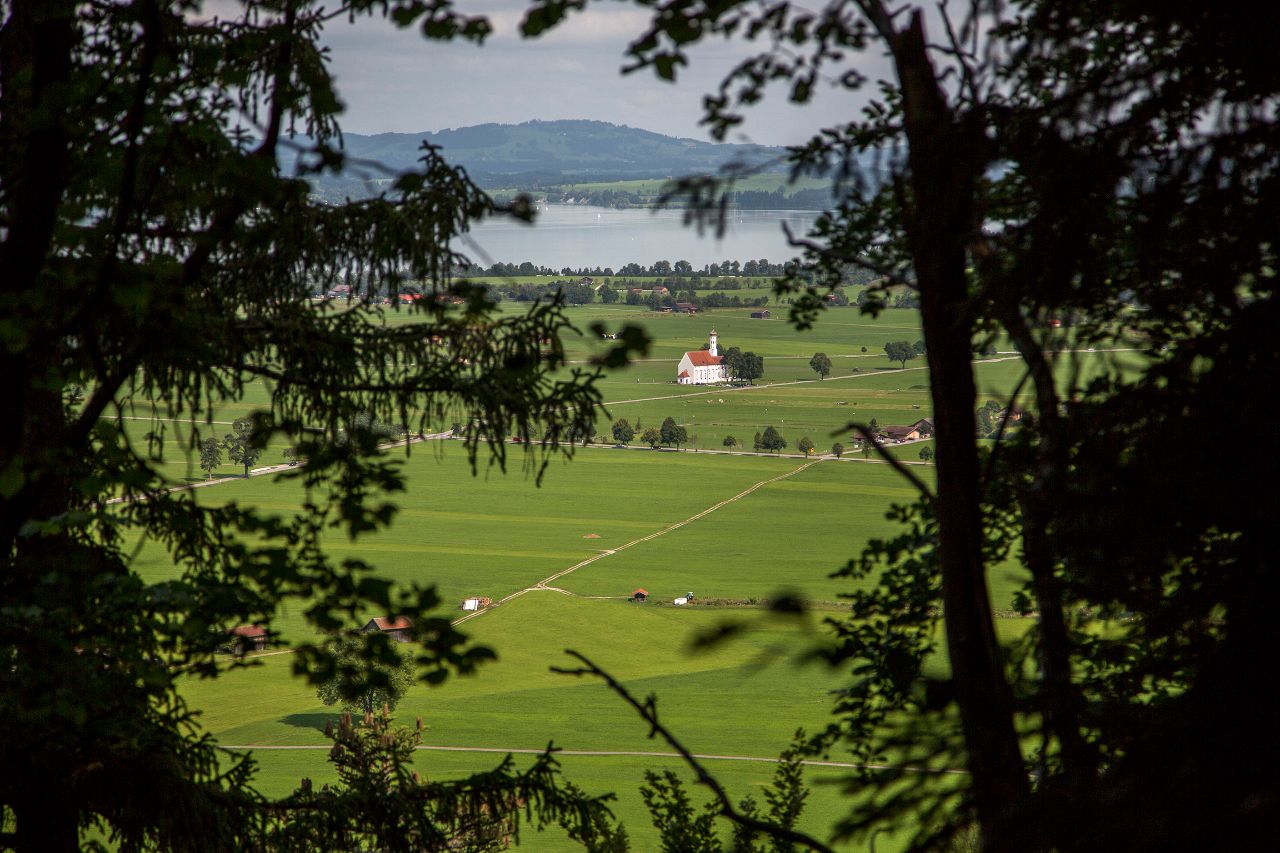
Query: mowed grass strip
(789,535)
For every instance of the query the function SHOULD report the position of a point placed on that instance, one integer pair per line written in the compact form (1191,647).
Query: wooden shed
(247,638)
(640,595)
(400,628)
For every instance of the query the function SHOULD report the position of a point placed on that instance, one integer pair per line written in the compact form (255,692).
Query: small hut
(247,638)
(399,629)
(640,595)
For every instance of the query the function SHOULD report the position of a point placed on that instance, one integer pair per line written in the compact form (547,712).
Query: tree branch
(648,711)
(897,464)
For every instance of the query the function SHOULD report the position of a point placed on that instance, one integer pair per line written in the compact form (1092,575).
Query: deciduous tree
(363,682)
(210,455)
(821,365)
(1032,161)
(243,447)
(773,440)
(622,431)
(160,245)
(900,351)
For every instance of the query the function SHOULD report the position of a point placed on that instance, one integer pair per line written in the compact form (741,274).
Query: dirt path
(624,753)
(545,583)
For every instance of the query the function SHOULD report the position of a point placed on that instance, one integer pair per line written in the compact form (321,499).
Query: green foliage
(163,259)
(837,450)
(210,455)
(622,431)
(652,437)
(965,214)
(926,454)
(682,829)
(685,829)
(772,440)
(901,351)
(730,442)
(380,802)
(366,676)
(743,366)
(805,446)
(821,364)
(988,418)
(673,433)
(242,445)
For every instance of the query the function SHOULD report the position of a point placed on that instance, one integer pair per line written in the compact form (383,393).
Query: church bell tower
(714,350)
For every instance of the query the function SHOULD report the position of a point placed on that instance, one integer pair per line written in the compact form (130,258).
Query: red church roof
(703,358)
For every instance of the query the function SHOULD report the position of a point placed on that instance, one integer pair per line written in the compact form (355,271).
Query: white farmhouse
(702,367)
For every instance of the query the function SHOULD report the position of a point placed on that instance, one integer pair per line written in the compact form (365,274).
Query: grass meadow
(779,524)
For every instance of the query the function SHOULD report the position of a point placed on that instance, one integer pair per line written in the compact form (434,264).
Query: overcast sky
(394,80)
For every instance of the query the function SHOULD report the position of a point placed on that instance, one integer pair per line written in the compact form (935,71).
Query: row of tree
(668,434)
(239,445)
(902,351)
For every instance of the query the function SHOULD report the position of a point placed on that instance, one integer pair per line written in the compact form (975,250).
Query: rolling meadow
(732,528)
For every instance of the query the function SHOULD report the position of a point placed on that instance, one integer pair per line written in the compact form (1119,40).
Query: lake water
(584,236)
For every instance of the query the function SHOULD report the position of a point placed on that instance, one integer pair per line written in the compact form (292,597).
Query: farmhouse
(924,426)
(248,638)
(398,628)
(686,308)
(702,367)
(760,315)
(901,433)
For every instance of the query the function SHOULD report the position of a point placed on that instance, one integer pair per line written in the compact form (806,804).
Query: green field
(636,518)
(499,535)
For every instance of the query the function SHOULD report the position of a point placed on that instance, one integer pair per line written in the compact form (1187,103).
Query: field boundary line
(626,753)
(544,584)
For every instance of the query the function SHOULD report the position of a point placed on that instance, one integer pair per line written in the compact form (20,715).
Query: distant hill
(546,152)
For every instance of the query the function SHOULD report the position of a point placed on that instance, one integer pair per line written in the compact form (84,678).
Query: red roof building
(702,367)
(400,628)
(248,638)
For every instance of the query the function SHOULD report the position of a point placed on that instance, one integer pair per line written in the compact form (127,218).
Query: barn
(399,628)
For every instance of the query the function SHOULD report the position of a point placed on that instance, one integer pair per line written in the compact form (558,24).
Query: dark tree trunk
(938,215)
(1061,701)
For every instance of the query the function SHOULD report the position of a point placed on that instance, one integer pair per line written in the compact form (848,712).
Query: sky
(394,80)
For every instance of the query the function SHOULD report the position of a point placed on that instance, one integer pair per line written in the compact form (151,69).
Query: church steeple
(713,350)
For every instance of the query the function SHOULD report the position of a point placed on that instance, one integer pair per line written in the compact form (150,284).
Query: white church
(702,367)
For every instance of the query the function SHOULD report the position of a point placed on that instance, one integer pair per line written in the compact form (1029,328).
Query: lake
(566,235)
